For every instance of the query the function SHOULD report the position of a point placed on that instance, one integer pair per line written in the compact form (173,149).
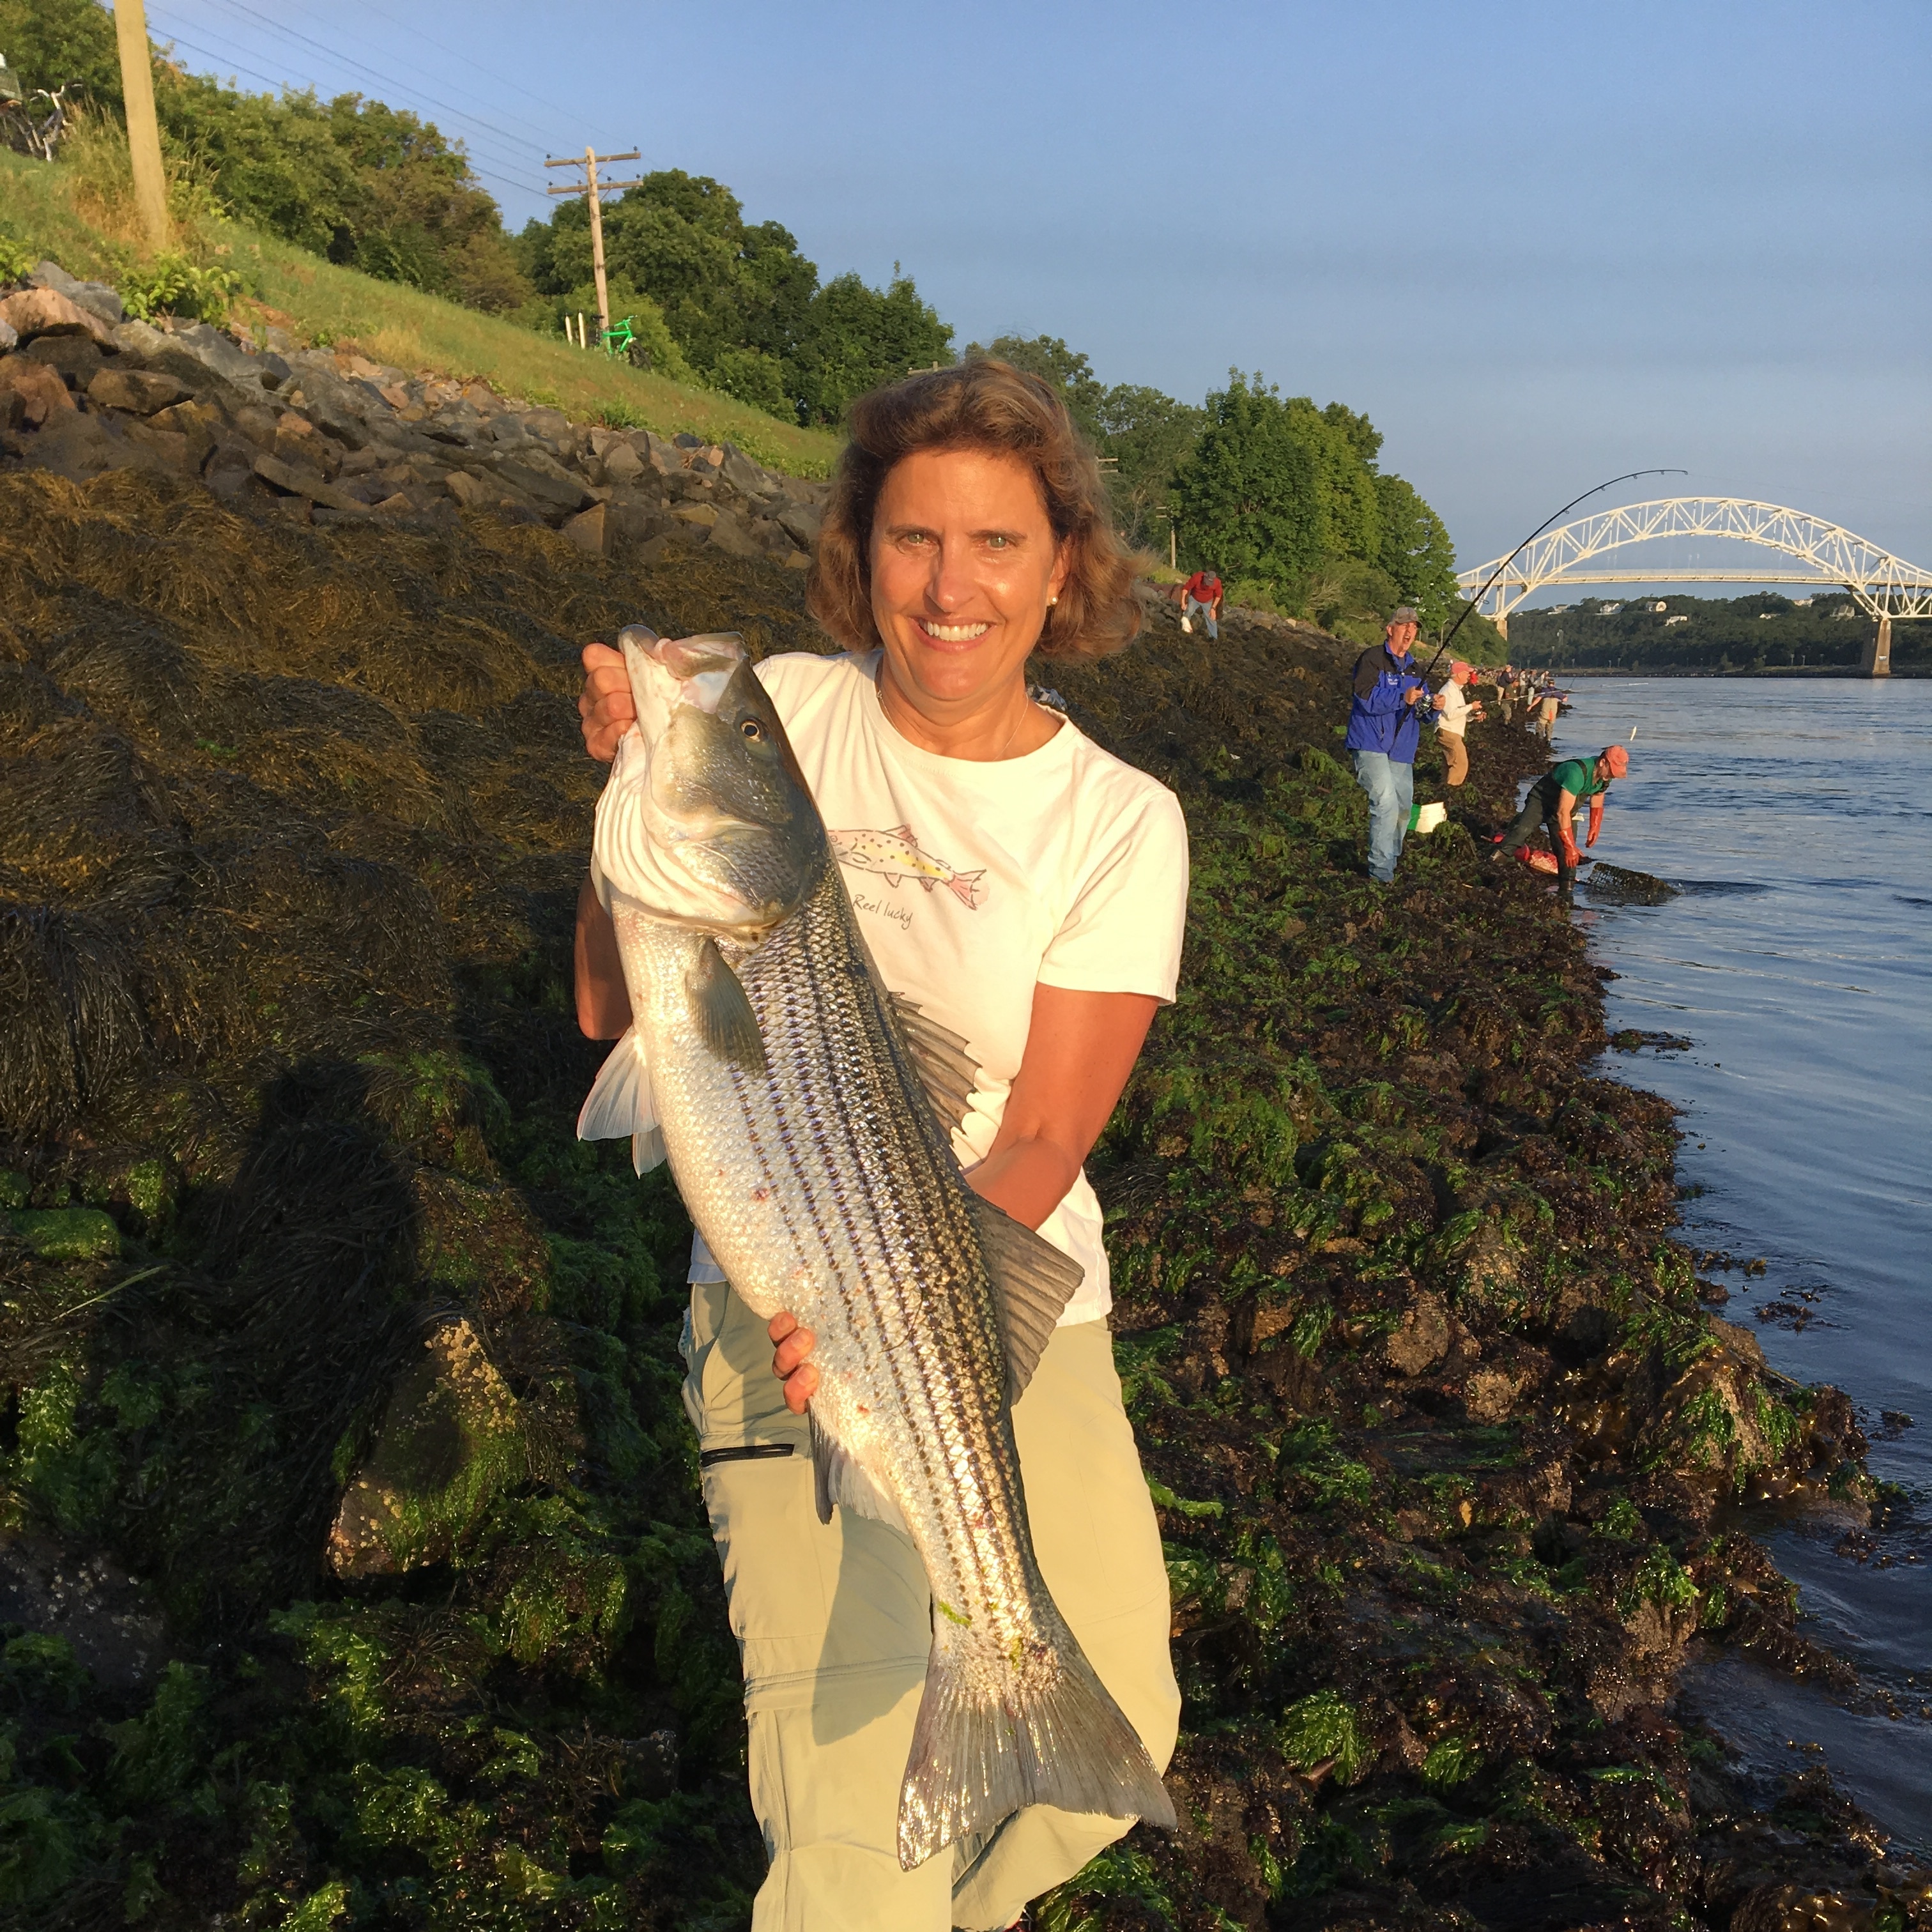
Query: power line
(453,53)
(361,67)
(227,57)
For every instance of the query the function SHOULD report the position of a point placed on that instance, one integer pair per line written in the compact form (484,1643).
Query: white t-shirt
(1454,716)
(974,882)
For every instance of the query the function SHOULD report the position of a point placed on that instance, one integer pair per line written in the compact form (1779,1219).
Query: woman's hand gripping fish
(805,1112)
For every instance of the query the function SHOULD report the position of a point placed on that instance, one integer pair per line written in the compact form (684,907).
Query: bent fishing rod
(1628,477)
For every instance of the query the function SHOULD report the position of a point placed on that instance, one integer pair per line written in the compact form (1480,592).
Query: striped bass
(806,1114)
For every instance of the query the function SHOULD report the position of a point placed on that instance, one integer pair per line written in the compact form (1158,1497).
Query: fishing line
(1629,476)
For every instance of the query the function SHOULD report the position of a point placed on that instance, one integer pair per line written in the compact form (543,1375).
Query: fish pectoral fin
(946,1070)
(838,1477)
(620,1103)
(1033,1283)
(723,1013)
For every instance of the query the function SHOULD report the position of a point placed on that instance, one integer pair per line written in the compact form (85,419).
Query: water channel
(1797,815)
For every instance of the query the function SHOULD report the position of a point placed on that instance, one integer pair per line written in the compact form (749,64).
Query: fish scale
(804,1129)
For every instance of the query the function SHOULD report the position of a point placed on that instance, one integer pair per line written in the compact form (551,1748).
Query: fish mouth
(680,671)
(713,811)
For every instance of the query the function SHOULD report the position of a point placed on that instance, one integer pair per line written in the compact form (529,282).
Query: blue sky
(1538,244)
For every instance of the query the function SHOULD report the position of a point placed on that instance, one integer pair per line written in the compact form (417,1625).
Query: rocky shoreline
(321,433)
(351,1566)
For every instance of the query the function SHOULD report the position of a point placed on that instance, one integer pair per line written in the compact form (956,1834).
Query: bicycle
(24,133)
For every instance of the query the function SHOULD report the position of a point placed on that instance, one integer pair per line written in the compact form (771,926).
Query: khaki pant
(1457,753)
(834,1624)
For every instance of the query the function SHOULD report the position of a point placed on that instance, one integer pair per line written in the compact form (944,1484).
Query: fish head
(706,819)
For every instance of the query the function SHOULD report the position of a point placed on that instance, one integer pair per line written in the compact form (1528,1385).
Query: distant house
(1608,610)
(1765,616)
(1799,603)
(1669,621)
(1660,607)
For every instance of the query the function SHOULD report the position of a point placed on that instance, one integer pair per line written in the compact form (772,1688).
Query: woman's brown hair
(977,405)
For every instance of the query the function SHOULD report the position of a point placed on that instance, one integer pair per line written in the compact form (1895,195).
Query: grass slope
(407,328)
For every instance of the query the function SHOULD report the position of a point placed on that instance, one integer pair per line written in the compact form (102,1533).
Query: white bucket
(1428,817)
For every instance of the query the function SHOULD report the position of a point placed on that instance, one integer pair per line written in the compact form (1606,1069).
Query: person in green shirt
(1552,803)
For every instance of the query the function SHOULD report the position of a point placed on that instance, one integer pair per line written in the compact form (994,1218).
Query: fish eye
(752,728)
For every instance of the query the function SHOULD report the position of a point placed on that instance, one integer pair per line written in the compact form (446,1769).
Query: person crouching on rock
(1453,712)
(1552,803)
(1200,597)
(1383,729)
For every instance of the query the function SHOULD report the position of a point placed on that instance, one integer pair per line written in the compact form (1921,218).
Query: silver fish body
(791,1093)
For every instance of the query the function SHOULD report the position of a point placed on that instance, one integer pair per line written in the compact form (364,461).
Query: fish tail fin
(978,1756)
(965,886)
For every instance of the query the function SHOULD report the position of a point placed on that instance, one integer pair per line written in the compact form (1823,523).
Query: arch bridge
(1811,552)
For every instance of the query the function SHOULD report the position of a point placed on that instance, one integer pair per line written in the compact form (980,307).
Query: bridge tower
(1877,662)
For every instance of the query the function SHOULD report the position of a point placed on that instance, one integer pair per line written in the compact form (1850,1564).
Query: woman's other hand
(606,705)
(791,1359)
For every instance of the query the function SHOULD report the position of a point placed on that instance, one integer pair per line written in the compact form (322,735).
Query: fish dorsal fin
(946,1069)
(1033,1283)
(723,1011)
(839,1477)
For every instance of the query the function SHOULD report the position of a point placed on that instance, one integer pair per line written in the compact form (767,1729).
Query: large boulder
(216,352)
(40,391)
(96,298)
(139,392)
(452,1441)
(36,312)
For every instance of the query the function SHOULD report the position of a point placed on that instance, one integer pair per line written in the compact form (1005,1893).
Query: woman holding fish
(883,937)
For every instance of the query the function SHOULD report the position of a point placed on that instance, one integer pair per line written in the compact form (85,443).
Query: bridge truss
(1883,585)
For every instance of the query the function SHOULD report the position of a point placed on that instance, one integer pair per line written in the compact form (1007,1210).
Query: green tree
(1149,435)
(1416,551)
(1065,369)
(1252,493)
(683,239)
(744,306)
(856,337)
(51,43)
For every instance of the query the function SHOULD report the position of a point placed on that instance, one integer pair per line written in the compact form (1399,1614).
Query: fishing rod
(1629,476)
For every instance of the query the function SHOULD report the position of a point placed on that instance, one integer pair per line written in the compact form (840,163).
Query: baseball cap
(1405,614)
(1459,667)
(1618,759)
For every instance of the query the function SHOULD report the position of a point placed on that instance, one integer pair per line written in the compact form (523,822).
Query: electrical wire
(375,74)
(227,57)
(454,53)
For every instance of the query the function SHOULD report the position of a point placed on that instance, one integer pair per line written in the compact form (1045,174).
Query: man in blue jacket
(1383,729)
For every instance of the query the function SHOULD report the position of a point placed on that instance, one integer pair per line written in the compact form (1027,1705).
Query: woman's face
(963,564)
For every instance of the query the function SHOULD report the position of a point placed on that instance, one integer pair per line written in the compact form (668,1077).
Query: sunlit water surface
(1797,815)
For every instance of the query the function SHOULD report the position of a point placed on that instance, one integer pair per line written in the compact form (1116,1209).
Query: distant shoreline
(1800,671)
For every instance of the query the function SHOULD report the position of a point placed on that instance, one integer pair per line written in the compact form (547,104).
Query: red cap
(1618,759)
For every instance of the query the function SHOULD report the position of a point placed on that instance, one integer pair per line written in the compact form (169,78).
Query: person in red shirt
(1201,592)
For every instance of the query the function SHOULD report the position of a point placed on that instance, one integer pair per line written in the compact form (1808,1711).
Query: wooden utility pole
(144,133)
(590,186)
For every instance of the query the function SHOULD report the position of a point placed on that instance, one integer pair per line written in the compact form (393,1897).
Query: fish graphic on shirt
(895,855)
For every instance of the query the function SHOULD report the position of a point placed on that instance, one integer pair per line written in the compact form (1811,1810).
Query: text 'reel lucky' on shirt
(974,882)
